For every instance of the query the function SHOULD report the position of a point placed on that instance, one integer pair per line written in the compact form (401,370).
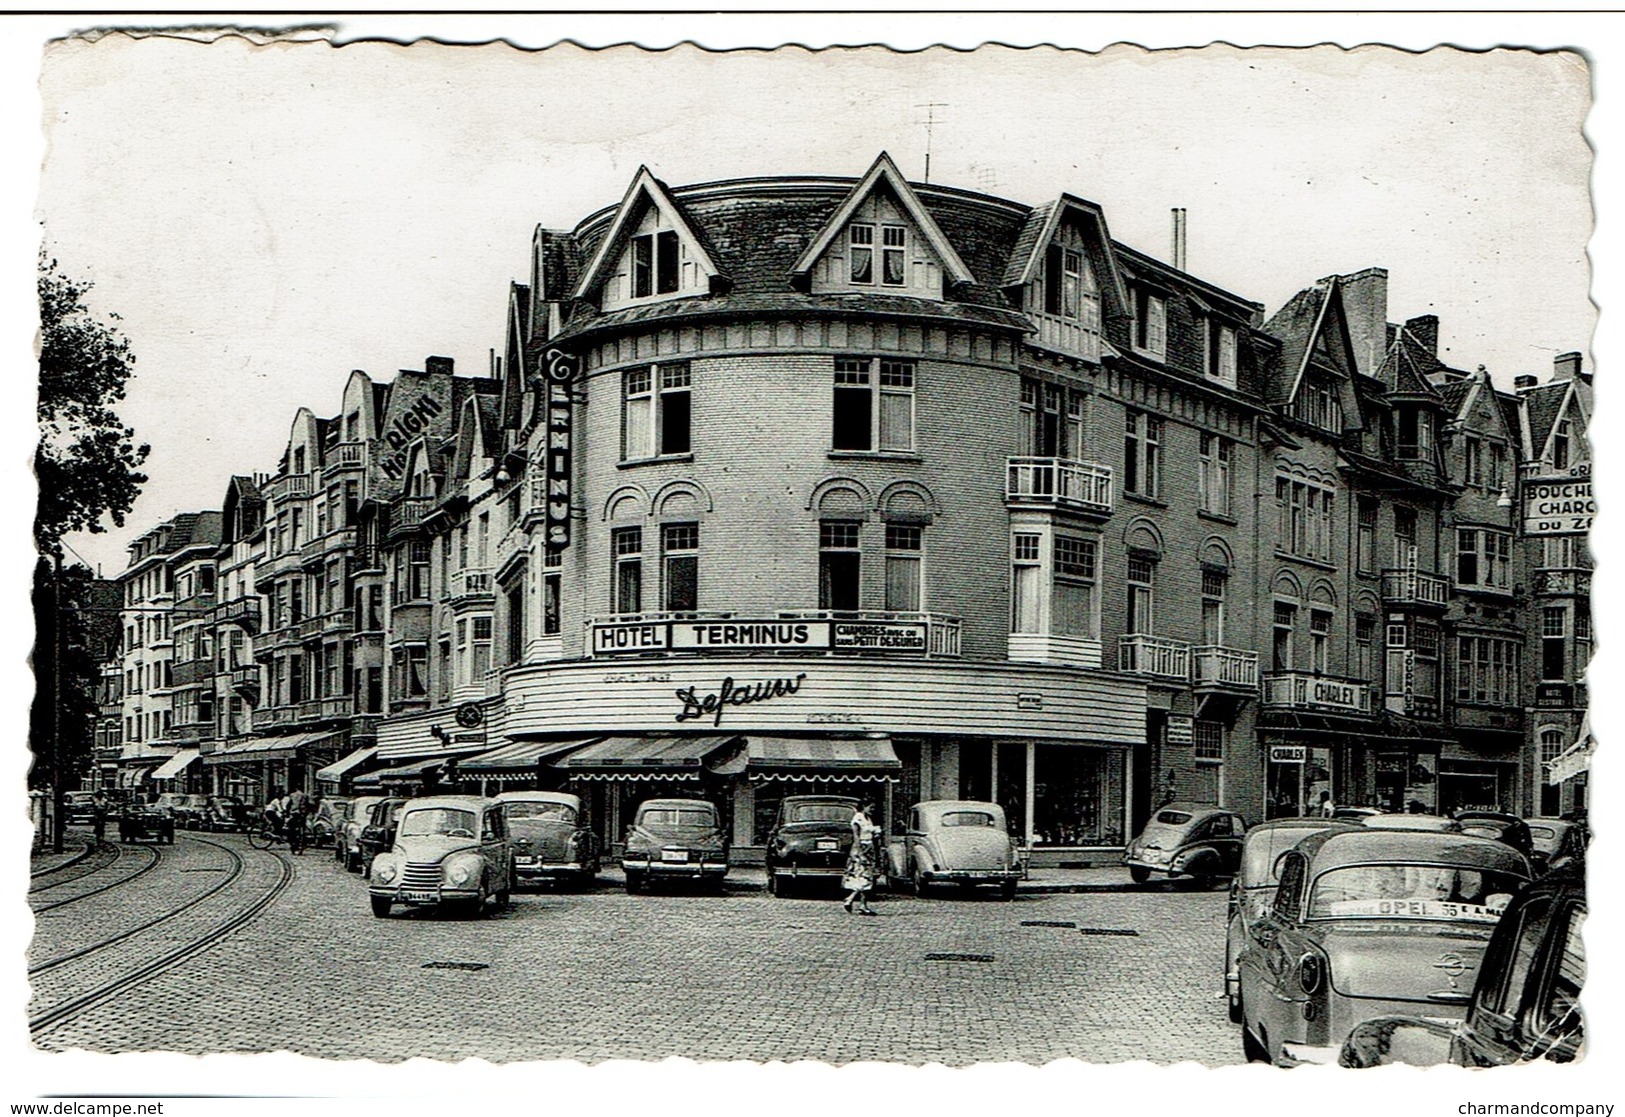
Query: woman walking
(860,864)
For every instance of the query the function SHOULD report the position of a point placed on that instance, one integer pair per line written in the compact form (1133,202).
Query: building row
(811,483)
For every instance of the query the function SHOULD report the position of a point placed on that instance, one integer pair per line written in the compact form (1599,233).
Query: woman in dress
(860,864)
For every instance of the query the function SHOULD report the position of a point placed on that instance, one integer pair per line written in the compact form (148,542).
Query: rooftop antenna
(930,108)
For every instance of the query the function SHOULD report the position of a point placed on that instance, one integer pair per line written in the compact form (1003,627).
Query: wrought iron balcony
(1415,587)
(1059,482)
(1218,666)
(469,584)
(241,611)
(1153,655)
(1302,690)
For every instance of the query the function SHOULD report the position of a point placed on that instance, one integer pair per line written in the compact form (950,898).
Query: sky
(267,217)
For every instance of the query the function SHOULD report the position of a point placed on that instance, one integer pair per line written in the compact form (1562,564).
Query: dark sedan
(378,834)
(1197,841)
(1497,826)
(1558,845)
(146,821)
(810,841)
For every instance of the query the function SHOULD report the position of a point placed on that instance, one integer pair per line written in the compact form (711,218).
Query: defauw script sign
(724,637)
(1558,506)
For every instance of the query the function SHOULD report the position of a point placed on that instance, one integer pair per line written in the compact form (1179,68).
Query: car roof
(1305,823)
(819,799)
(676,803)
(1542,820)
(564,797)
(1195,810)
(943,806)
(1360,845)
(460,802)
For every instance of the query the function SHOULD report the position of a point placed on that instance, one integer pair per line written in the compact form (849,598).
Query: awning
(520,759)
(253,749)
(825,759)
(175,765)
(646,758)
(1572,760)
(130,777)
(335,772)
(1284,726)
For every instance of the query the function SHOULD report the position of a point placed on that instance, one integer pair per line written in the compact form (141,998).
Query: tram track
(94,851)
(153,858)
(79,1003)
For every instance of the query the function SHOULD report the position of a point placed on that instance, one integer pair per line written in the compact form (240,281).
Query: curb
(89,849)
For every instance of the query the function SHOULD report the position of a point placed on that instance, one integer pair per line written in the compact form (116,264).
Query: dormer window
(654,264)
(1221,353)
(1150,324)
(1560,446)
(1415,435)
(1318,405)
(893,254)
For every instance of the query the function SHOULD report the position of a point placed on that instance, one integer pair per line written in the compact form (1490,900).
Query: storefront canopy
(335,772)
(1386,728)
(837,760)
(400,774)
(175,765)
(643,758)
(251,749)
(521,759)
(1572,760)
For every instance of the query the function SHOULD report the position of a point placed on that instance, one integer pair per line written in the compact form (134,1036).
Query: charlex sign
(559,369)
(1559,505)
(729,636)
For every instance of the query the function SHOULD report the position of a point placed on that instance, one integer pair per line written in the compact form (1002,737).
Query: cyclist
(294,809)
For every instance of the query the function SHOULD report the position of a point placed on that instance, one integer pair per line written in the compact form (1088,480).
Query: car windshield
(677,817)
(438,820)
(1260,859)
(540,812)
(968,818)
(1173,818)
(821,812)
(1407,891)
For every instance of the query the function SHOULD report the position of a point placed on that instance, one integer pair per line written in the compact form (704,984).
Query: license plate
(828,843)
(419,897)
(676,856)
(525,860)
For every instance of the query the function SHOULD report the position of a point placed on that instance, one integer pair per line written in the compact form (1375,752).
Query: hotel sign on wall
(559,369)
(1559,505)
(733,636)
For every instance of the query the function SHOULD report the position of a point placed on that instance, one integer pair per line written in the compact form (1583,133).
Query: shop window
(839,565)
(903,568)
(1554,631)
(656,411)
(873,405)
(680,566)
(626,579)
(1072,796)
(1142,454)
(1142,570)
(1213,474)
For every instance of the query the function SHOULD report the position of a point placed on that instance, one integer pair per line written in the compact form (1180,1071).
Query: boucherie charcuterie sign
(728,637)
(1558,506)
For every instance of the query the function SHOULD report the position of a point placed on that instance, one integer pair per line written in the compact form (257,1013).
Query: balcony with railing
(346,455)
(241,611)
(1059,483)
(1156,656)
(275,717)
(1415,587)
(1066,335)
(289,486)
(191,672)
(338,706)
(310,628)
(310,709)
(245,680)
(409,512)
(1301,690)
(1230,668)
(469,586)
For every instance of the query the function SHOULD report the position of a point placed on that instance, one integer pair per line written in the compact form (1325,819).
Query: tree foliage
(88,461)
(70,634)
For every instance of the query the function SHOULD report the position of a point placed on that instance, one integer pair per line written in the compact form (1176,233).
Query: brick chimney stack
(437,366)
(1365,302)
(1523,381)
(1425,329)
(1567,366)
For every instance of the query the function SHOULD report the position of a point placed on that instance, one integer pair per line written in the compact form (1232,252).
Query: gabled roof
(1544,405)
(884,170)
(1039,229)
(513,359)
(1457,396)
(1406,367)
(645,190)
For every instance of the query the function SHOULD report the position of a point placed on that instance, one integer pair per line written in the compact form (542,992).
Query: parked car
(810,842)
(378,834)
(189,811)
(80,806)
(347,843)
(1252,890)
(1355,814)
(323,822)
(958,841)
(1498,825)
(1428,823)
(1525,1003)
(447,850)
(1369,922)
(141,821)
(1558,845)
(675,839)
(550,838)
(226,812)
(1192,840)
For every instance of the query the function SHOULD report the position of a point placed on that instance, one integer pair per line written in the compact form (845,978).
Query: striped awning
(520,758)
(644,758)
(252,749)
(336,771)
(175,765)
(830,754)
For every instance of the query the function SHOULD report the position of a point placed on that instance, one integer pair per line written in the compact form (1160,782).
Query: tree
(87,462)
(62,719)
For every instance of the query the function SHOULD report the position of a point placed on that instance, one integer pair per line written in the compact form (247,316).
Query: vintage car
(1558,845)
(449,850)
(189,811)
(1252,889)
(1500,826)
(323,822)
(347,840)
(1354,814)
(1429,823)
(957,841)
(226,812)
(378,833)
(137,821)
(80,806)
(810,841)
(550,839)
(1525,1003)
(675,839)
(1368,922)
(1197,841)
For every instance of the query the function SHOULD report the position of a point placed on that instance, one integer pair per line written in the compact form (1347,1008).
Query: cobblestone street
(602,975)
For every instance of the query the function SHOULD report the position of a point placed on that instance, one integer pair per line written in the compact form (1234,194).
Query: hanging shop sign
(1558,506)
(1287,754)
(559,369)
(731,636)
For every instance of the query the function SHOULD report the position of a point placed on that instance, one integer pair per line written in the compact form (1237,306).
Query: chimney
(437,366)
(1425,329)
(1365,304)
(1522,381)
(1566,366)
(1179,237)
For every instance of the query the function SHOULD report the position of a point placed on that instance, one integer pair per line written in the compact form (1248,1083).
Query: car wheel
(380,906)
(1007,890)
(1138,874)
(634,884)
(503,896)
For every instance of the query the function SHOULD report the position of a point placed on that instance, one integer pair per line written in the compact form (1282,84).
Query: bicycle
(265,834)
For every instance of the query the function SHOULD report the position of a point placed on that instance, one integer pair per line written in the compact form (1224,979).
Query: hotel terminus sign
(732,636)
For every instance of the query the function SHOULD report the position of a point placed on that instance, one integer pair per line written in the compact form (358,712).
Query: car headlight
(1178,862)
(383,871)
(459,873)
(1311,972)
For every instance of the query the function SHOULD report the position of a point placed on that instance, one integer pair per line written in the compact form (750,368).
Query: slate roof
(1293,326)
(1542,405)
(1454,394)
(1407,365)
(1027,242)
(490,408)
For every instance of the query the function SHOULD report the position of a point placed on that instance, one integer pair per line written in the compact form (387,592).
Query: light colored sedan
(958,841)
(347,838)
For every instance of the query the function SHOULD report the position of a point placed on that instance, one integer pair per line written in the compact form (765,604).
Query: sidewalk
(753,878)
(75,847)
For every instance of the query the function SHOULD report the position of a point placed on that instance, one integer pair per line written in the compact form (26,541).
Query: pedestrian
(275,810)
(860,863)
(1326,808)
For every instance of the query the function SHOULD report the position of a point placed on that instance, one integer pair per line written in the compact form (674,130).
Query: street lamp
(1505,499)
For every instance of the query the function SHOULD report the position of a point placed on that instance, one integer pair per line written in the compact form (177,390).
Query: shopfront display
(1297,778)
